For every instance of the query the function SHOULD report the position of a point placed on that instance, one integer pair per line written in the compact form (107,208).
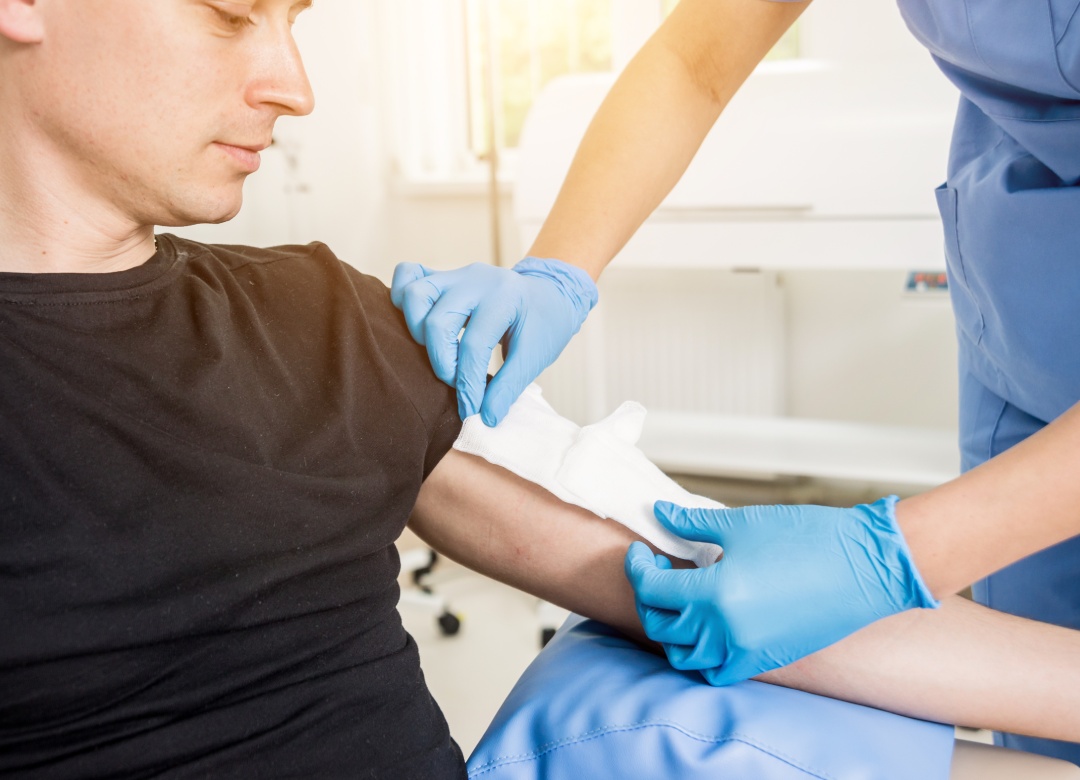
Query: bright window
(533,41)
(442,88)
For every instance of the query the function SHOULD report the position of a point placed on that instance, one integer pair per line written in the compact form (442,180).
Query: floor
(472,672)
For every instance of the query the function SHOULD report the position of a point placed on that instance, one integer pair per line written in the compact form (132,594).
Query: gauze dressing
(598,467)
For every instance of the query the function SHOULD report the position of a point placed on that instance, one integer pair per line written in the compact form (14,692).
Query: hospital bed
(595,705)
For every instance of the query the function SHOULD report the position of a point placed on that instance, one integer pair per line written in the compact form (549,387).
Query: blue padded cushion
(594,705)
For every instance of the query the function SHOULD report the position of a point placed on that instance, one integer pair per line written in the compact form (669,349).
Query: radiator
(676,340)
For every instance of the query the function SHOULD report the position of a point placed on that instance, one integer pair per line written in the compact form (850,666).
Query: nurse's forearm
(1024,500)
(961,664)
(651,124)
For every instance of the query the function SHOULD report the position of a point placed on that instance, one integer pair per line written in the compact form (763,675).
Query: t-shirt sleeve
(434,401)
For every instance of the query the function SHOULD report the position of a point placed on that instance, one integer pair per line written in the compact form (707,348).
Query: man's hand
(538,306)
(793,580)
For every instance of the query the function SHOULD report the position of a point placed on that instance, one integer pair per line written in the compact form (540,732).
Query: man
(207,453)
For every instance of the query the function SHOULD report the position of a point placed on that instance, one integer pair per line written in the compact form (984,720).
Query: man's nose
(281,80)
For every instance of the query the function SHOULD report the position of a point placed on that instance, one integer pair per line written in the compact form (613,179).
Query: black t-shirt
(204,464)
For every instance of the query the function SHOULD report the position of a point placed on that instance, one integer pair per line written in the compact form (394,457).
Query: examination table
(594,705)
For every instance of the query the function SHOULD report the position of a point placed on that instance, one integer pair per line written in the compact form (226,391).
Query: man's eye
(233,21)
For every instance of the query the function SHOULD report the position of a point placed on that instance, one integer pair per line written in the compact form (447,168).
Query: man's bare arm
(960,664)
(496,523)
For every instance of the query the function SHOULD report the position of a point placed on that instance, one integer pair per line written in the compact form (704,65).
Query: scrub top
(1011,205)
(1011,212)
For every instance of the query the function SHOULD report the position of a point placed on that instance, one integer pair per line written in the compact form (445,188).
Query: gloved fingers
(685,658)
(643,611)
(417,299)
(654,586)
(404,275)
(733,672)
(444,321)
(666,627)
(515,374)
(488,324)
(699,655)
(696,525)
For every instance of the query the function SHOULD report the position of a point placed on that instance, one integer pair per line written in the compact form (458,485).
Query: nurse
(796,579)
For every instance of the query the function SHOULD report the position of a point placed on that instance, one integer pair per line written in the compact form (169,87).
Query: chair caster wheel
(546,635)
(449,624)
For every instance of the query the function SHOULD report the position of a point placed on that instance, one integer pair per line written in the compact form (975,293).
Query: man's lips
(246,155)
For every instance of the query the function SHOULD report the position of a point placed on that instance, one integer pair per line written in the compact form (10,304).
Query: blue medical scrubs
(1011,210)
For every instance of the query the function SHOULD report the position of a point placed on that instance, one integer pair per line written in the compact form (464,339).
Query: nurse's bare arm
(960,664)
(651,124)
(1024,500)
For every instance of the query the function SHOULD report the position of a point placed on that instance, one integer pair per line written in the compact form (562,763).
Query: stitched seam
(589,736)
(1029,119)
(975,42)
(990,454)
(960,255)
(1057,56)
(1068,23)
(120,298)
(994,432)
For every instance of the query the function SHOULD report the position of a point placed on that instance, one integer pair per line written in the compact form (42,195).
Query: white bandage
(597,467)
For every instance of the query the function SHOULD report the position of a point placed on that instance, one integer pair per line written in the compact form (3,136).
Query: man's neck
(71,250)
(48,225)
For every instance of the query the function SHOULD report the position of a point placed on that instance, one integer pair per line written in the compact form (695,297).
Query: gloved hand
(792,580)
(538,305)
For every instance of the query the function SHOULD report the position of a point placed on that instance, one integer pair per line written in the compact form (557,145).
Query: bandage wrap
(598,467)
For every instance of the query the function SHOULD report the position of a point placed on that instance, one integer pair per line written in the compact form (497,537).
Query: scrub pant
(1044,586)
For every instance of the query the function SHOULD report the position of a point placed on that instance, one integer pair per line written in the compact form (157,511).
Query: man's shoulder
(296,267)
(236,256)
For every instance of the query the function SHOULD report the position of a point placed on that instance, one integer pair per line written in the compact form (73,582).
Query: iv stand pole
(491,94)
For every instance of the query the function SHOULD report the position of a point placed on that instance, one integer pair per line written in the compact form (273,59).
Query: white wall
(859,350)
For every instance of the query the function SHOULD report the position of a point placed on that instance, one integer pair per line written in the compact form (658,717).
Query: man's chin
(204,214)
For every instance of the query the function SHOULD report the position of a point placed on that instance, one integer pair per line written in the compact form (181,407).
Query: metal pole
(492,130)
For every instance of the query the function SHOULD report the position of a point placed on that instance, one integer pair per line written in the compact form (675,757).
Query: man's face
(158,108)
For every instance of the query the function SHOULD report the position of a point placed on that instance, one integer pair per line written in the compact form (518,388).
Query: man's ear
(21,20)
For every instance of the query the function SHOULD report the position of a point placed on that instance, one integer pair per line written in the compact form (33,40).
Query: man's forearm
(513,531)
(960,664)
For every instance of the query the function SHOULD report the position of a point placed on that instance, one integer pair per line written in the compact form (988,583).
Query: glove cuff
(575,284)
(909,588)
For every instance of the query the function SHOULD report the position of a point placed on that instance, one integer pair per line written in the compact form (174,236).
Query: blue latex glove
(538,306)
(792,580)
